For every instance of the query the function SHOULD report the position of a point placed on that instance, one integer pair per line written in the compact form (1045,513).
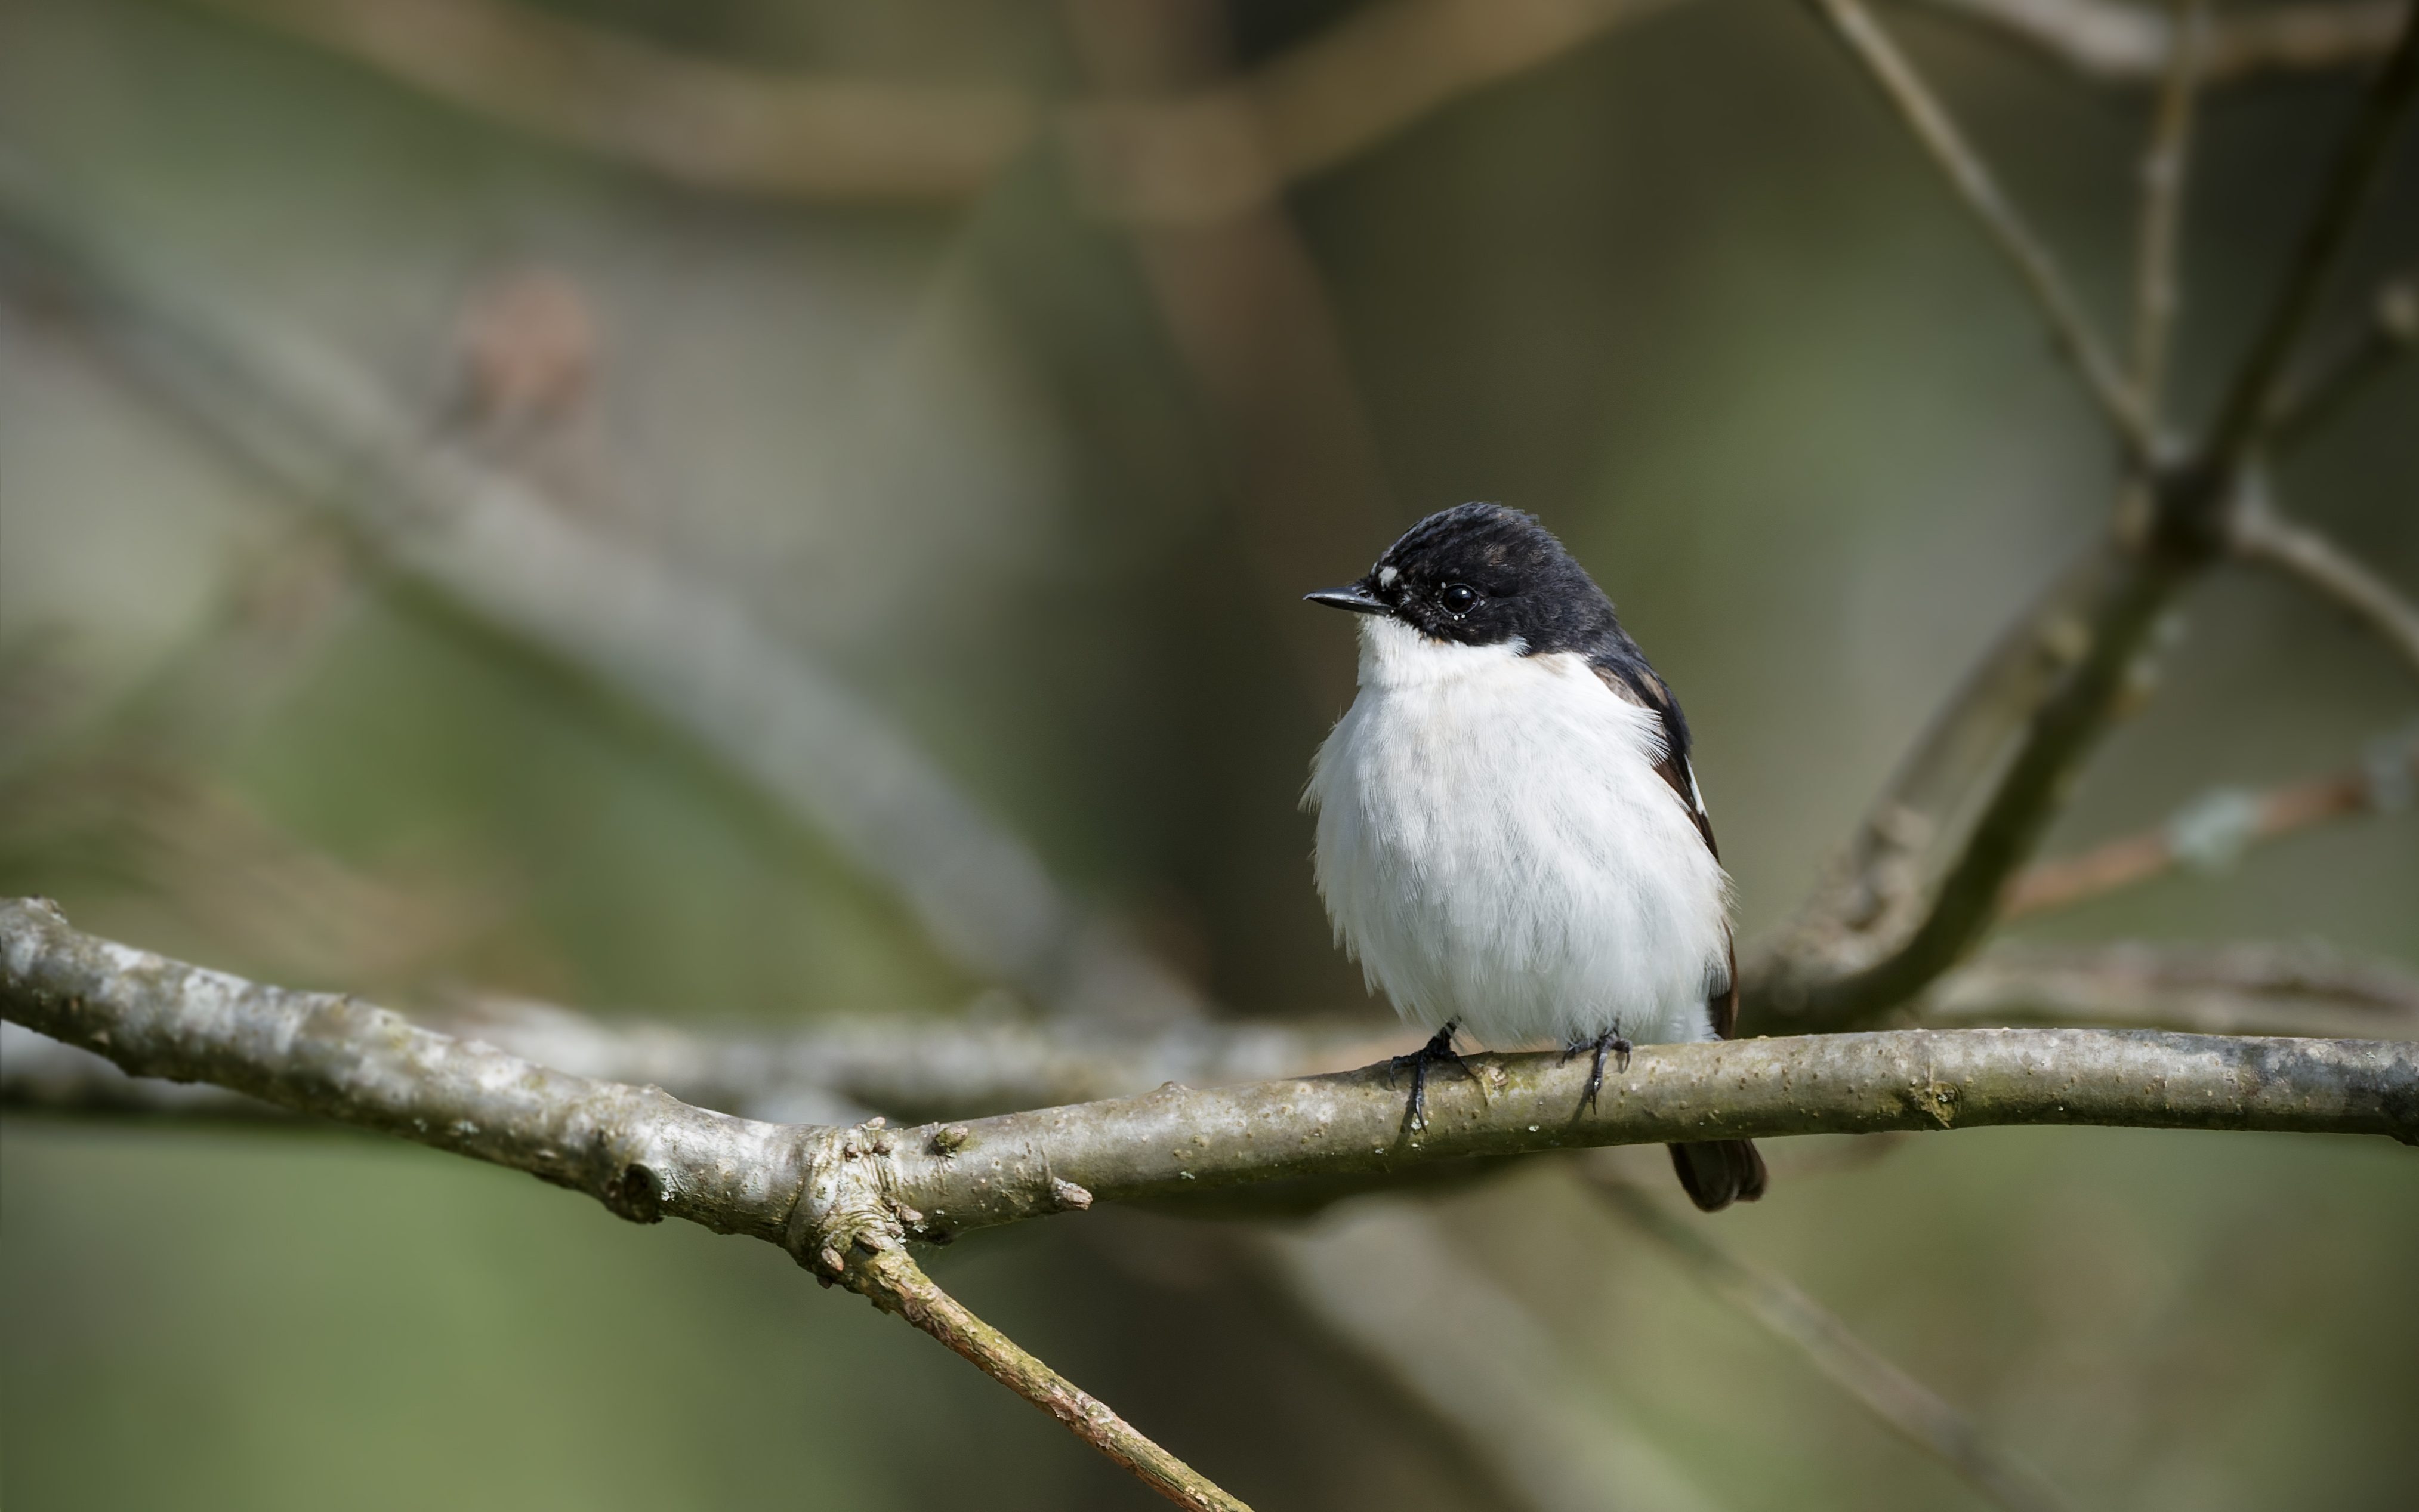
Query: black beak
(1352,596)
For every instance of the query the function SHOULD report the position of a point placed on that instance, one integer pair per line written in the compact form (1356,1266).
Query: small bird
(1510,838)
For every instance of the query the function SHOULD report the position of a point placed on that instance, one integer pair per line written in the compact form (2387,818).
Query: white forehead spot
(1386,576)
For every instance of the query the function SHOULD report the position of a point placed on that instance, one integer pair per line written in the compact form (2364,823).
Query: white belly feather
(1495,847)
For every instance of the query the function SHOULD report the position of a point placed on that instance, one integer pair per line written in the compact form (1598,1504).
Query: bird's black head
(1482,575)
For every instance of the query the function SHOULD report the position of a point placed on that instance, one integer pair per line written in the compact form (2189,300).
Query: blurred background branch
(2165,162)
(328,439)
(2386,334)
(2260,535)
(2211,833)
(1898,1400)
(2112,42)
(715,125)
(1845,960)
(1220,150)
(1913,99)
(1386,1276)
(2242,988)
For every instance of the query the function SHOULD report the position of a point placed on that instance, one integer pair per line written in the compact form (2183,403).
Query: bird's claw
(1439,1048)
(1612,1042)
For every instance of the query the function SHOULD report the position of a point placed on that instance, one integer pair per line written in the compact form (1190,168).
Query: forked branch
(878,1268)
(1837,969)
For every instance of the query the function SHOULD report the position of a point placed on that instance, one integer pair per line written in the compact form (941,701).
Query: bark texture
(818,1191)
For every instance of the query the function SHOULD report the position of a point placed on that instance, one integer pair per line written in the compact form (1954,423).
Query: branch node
(636,1194)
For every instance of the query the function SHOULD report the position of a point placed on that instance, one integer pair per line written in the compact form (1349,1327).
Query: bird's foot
(1438,1049)
(1610,1043)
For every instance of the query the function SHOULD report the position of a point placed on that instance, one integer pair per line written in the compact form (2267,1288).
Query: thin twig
(2242,988)
(2244,418)
(1902,1403)
(2260,535)
(885,1275)
(2114,42)
(2213,829)
(1383,1276)
(2070,329)
(2388,331)
(2166,164)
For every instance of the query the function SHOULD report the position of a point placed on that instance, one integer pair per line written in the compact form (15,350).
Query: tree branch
(1902,1403)
(2388,332)
(2165,165)
(2070,329)
(1374,73)
(1218,151)
(2231,989)
(2260,535)
(879,1269)
(846,1201)
(709,124)
(1875,895)
(1808,989)
(838,1071)
(647,1155)
(2210,831)
(2245,418)
(912,1067)
(638,1151)
(2123,43)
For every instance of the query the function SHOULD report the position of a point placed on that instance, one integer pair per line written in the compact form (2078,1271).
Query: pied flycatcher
(1510,838)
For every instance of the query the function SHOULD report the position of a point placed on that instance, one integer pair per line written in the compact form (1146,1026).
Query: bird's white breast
(1496,847)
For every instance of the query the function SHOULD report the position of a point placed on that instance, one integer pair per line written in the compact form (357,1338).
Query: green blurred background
(1686,291)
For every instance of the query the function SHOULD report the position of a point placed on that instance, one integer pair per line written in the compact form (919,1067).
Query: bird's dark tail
(1720,1172)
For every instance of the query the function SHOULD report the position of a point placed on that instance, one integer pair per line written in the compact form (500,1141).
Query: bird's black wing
(1631,679)
(1717,1172)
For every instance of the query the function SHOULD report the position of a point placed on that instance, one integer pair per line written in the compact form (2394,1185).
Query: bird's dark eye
(1458,598)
